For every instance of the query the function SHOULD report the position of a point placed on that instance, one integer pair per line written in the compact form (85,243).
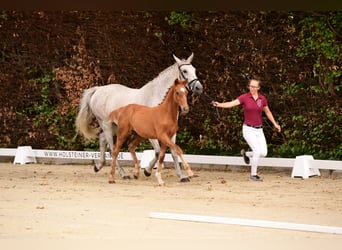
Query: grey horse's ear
(177,59)
(189,60)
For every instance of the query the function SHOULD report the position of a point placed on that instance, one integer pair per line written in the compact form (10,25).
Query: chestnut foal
(159,122)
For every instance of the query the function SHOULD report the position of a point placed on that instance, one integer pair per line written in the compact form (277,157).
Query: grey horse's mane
(164,72)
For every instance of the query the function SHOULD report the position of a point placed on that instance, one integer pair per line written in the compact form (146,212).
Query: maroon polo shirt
(252,108)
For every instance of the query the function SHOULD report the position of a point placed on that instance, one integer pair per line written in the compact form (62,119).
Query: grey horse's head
(188,71)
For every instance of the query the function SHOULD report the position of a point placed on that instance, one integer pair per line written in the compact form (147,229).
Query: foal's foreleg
(179,152)
(182,177)
(186,166)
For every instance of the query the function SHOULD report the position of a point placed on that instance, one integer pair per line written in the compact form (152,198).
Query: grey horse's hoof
(96,169)
(126,177)
(146,173)
(185,179)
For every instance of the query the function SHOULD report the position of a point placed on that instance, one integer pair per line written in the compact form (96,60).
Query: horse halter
(190,86)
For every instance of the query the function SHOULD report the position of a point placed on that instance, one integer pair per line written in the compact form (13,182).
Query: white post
(24,154)
(302,168)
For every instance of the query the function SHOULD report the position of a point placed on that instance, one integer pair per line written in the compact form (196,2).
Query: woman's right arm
(231,104)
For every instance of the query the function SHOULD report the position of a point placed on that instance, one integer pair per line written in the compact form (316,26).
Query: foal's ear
(176,82)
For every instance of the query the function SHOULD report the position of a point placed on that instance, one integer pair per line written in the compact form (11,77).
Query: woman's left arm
(271,118)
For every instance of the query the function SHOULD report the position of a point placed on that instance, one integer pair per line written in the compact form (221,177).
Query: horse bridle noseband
(189,85)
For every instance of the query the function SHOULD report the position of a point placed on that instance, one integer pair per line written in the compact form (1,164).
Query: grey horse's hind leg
(99,164)
(107,137)
(182,178)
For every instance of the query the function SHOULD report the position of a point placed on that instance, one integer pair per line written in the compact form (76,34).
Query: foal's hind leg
(107,137)
(119,141)
(132,146)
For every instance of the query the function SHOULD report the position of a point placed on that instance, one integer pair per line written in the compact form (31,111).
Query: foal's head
(180,94)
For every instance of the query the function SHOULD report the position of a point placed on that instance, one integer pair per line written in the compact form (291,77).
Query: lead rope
(210,99)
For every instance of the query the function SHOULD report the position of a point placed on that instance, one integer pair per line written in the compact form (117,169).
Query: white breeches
(256,140)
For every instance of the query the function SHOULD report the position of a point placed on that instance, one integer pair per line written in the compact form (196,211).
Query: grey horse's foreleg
(156,147)
(176,163)
(148,170)
(183,178)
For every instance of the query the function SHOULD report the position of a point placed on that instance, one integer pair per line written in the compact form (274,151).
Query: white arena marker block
(247,222)
(24,154)
(302,168)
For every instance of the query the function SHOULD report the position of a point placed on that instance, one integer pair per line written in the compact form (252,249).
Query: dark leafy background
(48,58)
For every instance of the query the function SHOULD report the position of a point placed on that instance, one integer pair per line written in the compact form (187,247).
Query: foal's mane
(167,92)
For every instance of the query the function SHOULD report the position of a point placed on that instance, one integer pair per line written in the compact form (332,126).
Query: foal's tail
(113,116)
(85,116)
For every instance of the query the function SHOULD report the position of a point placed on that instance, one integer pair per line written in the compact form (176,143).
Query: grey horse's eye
(185,71)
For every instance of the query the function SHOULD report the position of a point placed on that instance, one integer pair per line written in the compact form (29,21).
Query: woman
(253,103)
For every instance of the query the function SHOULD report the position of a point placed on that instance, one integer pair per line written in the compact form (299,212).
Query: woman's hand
(215,104)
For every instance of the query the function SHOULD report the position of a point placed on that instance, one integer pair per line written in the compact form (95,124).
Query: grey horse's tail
(85,116)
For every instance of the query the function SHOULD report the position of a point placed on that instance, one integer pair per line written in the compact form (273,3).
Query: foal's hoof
(185,179)
(136,177)
(111,182)
(146,173)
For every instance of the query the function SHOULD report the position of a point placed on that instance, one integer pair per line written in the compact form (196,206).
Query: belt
(260,126)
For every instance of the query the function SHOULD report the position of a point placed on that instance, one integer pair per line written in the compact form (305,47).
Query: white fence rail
(302,166)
